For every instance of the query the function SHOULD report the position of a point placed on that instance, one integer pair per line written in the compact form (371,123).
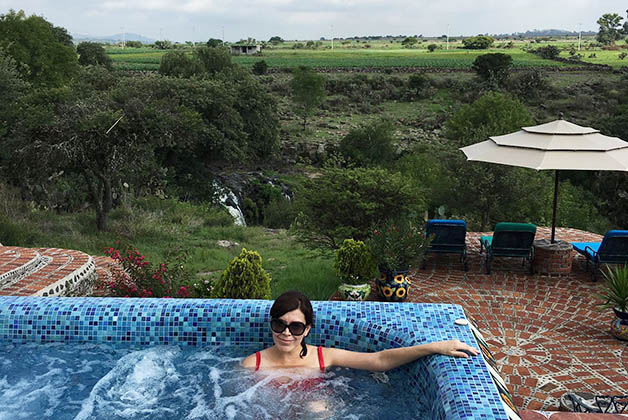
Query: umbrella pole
(555,205)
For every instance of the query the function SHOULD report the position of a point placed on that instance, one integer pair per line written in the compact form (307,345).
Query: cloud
(181,20)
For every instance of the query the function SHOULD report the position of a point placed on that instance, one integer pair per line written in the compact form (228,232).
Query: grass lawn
(153,226)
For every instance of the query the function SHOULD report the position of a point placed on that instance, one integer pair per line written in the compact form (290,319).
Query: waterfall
(232,203)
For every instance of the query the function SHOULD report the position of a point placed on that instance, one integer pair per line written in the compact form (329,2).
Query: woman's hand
(455,348)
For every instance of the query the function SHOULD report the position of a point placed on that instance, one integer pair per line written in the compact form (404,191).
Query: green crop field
(149,59)
(385,53)
(610,58)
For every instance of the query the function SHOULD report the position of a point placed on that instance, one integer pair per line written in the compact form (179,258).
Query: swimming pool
(441,387)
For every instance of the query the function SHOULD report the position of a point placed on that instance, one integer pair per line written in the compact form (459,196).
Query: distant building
(246,49)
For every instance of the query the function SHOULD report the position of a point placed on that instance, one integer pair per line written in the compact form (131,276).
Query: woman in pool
(292,317)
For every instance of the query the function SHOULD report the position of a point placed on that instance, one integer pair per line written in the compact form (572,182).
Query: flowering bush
(398,244)
(142,279)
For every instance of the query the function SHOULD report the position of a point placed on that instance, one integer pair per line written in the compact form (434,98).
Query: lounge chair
(510,240)
(583,402)
(448,237)
(612,250)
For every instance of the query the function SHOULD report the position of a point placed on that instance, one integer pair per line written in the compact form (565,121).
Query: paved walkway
(545,332)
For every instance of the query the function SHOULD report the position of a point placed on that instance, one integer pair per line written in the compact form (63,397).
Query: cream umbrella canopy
(558,145)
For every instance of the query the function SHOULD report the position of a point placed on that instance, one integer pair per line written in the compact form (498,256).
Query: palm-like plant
(616,288)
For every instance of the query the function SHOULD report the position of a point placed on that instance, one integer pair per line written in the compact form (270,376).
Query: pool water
(99,381)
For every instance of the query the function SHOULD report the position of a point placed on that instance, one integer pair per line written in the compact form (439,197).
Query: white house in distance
(246,49)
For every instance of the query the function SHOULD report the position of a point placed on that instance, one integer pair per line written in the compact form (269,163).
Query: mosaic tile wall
(455,388)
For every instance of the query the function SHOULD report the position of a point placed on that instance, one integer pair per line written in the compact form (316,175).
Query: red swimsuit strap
(321,362)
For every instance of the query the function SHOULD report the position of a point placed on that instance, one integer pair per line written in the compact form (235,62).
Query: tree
(178,64)
(134,44)
(34,45)
(93,54)
(432,47)
(12,87)
(163,45)
(213,42)
(480,42)
(346,203)
(275,40)
(258,110)
(485,188)
(549,52)
(213,60)
(371,144)
(104,136)
(308,91)
(610,28)
(493,66)
(409,41)
(62,35)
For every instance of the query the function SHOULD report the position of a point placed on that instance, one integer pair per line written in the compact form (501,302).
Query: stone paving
(544,331)
(45,272)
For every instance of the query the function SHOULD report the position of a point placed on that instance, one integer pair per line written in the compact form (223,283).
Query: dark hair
(289,301)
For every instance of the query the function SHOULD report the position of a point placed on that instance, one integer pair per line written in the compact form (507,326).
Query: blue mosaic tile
(454,388)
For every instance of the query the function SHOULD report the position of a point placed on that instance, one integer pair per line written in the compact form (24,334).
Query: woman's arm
(392,358)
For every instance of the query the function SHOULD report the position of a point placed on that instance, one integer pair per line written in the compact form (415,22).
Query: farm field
(149,59)
(385,54)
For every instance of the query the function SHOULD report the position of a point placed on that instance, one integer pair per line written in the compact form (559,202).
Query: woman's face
(285,341)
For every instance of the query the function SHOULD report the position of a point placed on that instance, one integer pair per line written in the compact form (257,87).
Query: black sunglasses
(279,326)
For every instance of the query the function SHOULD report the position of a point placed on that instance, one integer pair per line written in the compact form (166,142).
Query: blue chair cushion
(448,236)
(580,247)
(486,240)
(446,222)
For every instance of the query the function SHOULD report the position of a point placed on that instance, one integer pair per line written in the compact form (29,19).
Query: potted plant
(615,296)
(398,245)
(355,266)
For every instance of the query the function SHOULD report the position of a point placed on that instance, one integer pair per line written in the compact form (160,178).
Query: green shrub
(260,67)
(493,67)
(244,278)
(528,84)
(371,144)
(278,213)
(480,42)
(398,244)
(417,85)
(354,262)
(549,52)
(432,47)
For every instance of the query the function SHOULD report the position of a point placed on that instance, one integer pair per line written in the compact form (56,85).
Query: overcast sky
(182,20)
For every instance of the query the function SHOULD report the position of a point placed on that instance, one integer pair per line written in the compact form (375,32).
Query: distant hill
(112,39)
(546,32)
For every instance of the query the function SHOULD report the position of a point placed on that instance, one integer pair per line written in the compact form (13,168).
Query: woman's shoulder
(250,361)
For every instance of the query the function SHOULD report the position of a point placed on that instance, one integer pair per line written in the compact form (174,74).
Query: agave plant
(616,288)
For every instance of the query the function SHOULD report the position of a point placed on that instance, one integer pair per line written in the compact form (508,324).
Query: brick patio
(545,332)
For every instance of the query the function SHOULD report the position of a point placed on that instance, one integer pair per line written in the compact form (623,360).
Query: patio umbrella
(558,145)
